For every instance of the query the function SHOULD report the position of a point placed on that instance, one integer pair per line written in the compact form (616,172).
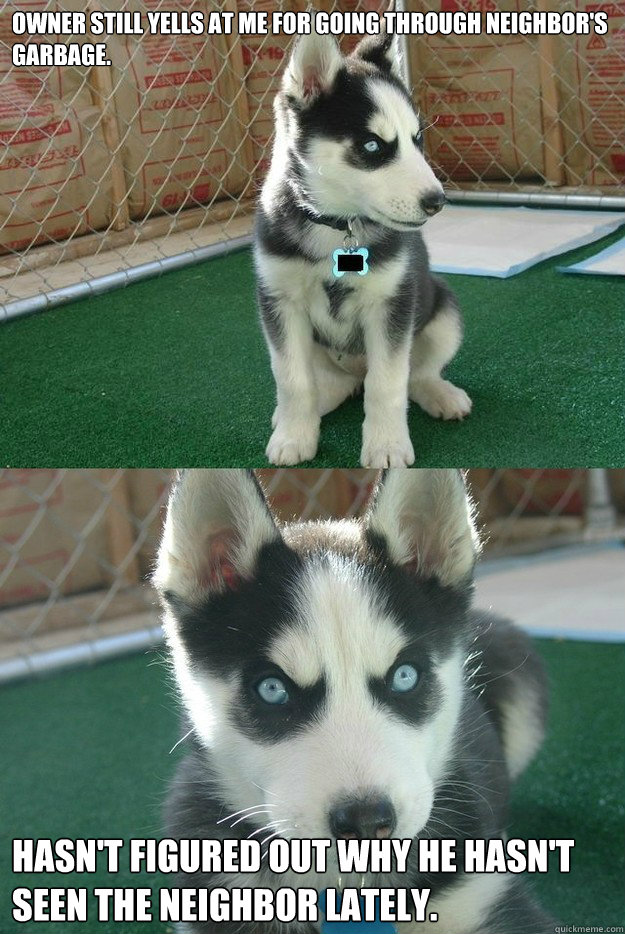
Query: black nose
(363,819)
(432,202)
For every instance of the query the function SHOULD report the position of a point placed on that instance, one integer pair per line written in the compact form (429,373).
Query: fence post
(600,514)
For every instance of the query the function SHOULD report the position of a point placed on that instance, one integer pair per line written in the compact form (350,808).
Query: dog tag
(340,927)
(350,260)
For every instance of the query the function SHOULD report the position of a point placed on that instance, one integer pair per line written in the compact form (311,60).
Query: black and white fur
(396,328)
(331,609)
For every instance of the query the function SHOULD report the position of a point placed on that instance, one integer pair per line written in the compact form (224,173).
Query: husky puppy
(337,684)
(348,168)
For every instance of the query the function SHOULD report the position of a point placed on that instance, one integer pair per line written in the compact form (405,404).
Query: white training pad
(609,262)
(568,593)
(493,241)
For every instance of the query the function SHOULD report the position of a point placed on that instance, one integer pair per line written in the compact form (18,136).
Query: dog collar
(344,224)
(353,257)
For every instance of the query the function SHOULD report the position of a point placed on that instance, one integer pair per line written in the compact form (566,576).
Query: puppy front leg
(385,438)
(296,418)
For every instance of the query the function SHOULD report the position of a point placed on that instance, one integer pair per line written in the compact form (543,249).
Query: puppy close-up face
(356,137)
(321,663)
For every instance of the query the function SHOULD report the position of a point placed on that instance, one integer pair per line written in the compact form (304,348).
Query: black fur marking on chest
(352,345)
(385,247)
(336,293)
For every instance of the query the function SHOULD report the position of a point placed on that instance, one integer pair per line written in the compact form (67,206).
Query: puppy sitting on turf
(344,286)
(339,686)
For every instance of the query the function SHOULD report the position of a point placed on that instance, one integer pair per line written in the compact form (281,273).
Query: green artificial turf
(86,754)
(174,372)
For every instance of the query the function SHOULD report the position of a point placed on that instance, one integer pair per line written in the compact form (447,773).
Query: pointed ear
(426,520)
(312,68)
(217,522)
(381,51)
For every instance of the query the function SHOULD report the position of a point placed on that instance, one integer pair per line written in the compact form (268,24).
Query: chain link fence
(109,174)
(77,546)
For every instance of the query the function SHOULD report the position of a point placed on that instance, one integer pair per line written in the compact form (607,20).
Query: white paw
(440,398)
(291,445)
(383,450)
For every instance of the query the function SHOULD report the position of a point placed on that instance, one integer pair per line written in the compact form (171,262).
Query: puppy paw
(288,447)
(440,398)
(380,450)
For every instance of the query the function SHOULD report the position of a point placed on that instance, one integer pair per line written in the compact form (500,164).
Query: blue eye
(371,145)
(405,678)
(418,138)
(272,691)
